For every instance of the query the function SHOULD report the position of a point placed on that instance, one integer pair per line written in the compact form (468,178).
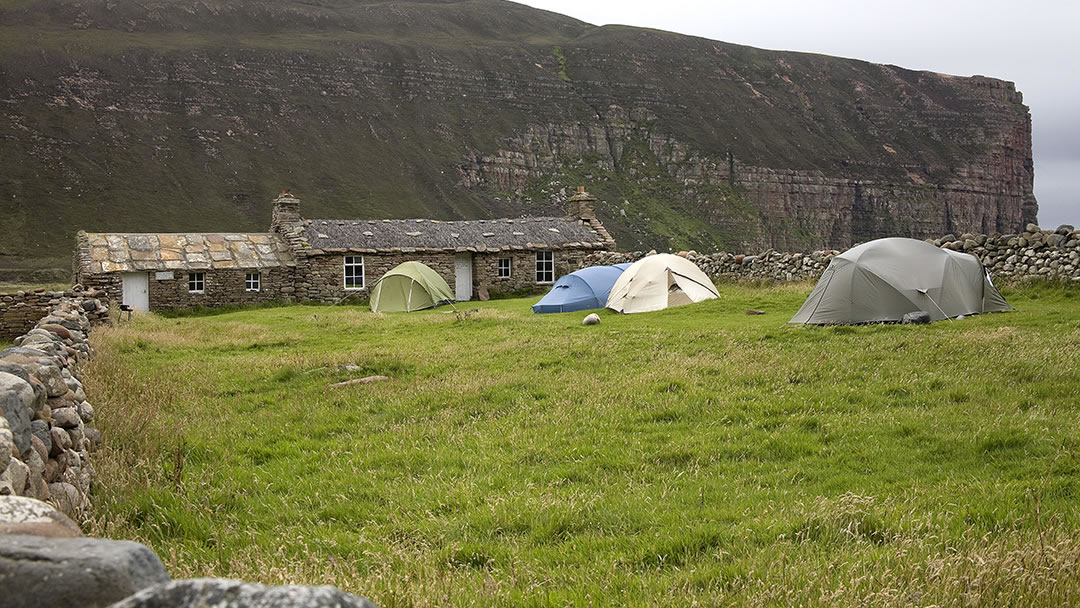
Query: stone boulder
(920,317)
(40,429)
(13,479)
(17,404)
(85,572)
(204,592)
(7,443)
(29,517)
(66,417)
(68,498)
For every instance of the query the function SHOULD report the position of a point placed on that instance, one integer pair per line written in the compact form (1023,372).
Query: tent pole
(935,304)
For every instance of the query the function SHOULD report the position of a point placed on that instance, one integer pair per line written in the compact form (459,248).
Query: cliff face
(918,167)
(170,116)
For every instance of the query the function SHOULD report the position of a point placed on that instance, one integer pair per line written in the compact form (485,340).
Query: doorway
(463,277)
(135,290)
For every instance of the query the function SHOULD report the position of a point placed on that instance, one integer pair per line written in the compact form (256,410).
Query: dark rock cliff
(173,116)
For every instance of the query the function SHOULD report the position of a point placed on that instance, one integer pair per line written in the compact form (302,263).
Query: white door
(463,276)
(136,294)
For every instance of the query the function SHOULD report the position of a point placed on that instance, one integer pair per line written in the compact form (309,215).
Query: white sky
(1035,44)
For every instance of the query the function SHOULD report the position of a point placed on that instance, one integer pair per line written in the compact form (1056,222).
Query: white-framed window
(354,272)
(502,270)
(253,282)
(545,267)
(196,282)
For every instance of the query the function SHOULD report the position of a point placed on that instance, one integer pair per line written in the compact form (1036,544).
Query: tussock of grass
(692,455)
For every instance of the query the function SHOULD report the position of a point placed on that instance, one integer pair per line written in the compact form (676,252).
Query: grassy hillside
(118,115)
(692,456)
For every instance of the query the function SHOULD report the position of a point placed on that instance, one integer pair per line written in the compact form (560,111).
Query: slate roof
(126,252)
(419,235)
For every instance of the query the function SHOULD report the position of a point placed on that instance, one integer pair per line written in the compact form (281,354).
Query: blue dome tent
(583,289)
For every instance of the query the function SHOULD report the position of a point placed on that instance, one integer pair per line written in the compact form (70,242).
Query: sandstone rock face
(88,572)
(200,593)
(792,208)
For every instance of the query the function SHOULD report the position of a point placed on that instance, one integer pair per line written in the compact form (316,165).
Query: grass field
(696,456)
(12,287)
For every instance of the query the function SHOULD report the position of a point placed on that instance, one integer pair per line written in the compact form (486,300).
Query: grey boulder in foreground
(217,592)
(76,572)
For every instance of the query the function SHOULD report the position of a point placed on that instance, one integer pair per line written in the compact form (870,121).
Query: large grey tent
(881,281)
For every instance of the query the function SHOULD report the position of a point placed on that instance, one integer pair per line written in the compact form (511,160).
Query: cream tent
(657,282)
(881,281)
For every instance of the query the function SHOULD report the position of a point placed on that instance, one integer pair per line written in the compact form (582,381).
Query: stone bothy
(330,260)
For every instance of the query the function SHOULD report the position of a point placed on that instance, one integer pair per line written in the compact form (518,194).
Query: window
(354,272)
(253,282)
(545,267)
(196,282)
(503,269)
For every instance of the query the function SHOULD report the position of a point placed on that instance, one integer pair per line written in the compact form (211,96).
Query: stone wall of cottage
(221,287)
(20,311)
(110,284)
(522,269)
(322,278)
(1033,254)
(45,435)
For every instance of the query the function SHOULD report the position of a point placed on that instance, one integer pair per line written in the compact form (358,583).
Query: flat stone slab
(226,593)
(365,380)
(76,572)
(30,517)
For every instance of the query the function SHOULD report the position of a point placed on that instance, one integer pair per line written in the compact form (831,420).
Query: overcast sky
(1035,44)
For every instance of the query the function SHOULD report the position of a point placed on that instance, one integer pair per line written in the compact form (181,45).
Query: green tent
(409,286)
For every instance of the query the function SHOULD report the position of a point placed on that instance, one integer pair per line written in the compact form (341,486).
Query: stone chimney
(286,210)
(582,205)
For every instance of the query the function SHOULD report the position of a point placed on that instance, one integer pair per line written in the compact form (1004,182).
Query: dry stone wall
(20,311)
(1033,254)
(45,437)
(45,440)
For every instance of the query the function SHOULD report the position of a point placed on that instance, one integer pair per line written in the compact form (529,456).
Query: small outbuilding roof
(129,252)
(421,235)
